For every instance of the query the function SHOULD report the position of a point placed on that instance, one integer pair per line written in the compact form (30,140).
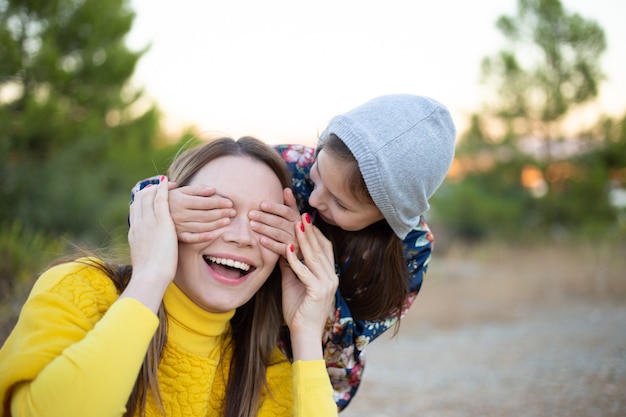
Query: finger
(161,203)
(203,220)
(298,267)
(194,232)
(276,247)
(287,273)
(141,211)
(325,244)
(290,199)
(200,190)
(309,244)
(203,226)
(134,211)
(280,210)
(199,197)
(146,200)
(319,289)
(187,237)
(291,285)
(277,233)
(309,248)
(317,251)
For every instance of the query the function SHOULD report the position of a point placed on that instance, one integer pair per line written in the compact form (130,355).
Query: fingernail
(302,226)
(162,178)
(307,218)
(292,249)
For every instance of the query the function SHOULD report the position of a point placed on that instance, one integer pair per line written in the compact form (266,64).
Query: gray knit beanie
(404,145)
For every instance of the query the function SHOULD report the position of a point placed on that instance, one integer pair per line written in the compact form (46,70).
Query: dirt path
(486,340)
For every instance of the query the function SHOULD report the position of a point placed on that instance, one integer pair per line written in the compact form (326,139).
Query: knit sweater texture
(76,350)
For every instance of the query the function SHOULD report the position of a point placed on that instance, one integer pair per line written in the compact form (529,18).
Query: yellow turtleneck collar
(191,327)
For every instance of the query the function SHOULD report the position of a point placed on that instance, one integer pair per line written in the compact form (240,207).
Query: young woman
(189,329)
(366,186)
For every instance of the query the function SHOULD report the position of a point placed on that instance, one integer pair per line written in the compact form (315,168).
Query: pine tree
(72,128)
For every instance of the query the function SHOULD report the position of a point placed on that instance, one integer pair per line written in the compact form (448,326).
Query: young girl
(197,322)
(366,186)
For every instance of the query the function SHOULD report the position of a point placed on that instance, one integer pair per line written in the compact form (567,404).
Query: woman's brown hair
(374,248)
(255,325)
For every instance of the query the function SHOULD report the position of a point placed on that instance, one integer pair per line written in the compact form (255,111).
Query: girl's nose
(316,199)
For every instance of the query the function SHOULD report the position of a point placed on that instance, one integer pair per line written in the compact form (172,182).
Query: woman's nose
(239,232)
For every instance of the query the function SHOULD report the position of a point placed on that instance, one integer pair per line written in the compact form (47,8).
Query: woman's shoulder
(81,270)
(82,282)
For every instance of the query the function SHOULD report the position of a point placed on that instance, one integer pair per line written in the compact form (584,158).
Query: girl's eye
(342,207)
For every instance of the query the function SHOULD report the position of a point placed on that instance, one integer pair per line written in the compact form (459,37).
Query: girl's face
(332,198)
(225,272)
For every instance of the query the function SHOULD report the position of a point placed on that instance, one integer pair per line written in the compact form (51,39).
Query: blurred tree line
(517,173)
(75,135)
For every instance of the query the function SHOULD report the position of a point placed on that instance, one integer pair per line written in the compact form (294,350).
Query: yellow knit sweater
(76,351)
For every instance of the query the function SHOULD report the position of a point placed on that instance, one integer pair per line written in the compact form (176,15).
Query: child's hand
(276,223)
(197,212)
(308,298)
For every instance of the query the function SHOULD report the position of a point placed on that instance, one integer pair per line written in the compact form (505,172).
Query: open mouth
(228,267)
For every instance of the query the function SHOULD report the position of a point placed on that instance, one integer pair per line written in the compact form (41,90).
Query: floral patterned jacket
(346,338)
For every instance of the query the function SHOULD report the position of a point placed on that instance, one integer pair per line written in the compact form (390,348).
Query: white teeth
(230,262)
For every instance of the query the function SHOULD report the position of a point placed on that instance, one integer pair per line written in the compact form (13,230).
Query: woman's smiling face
(225,272)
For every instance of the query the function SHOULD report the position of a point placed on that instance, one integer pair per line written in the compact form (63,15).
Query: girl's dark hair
(374,248)
(255,325)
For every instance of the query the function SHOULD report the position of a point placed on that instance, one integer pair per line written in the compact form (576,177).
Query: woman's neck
(189,326)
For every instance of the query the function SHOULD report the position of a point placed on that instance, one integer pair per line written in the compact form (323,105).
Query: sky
(280,69)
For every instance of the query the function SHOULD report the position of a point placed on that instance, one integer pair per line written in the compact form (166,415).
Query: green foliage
(490,200)
(552,64)
(73,136)
(26,252)
(471,212)
(23,254)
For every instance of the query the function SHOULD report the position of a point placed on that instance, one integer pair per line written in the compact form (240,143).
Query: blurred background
(530,224)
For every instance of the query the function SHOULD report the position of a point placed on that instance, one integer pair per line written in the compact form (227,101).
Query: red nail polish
(307,218)
(162,179)
(302,226)
(292,249)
